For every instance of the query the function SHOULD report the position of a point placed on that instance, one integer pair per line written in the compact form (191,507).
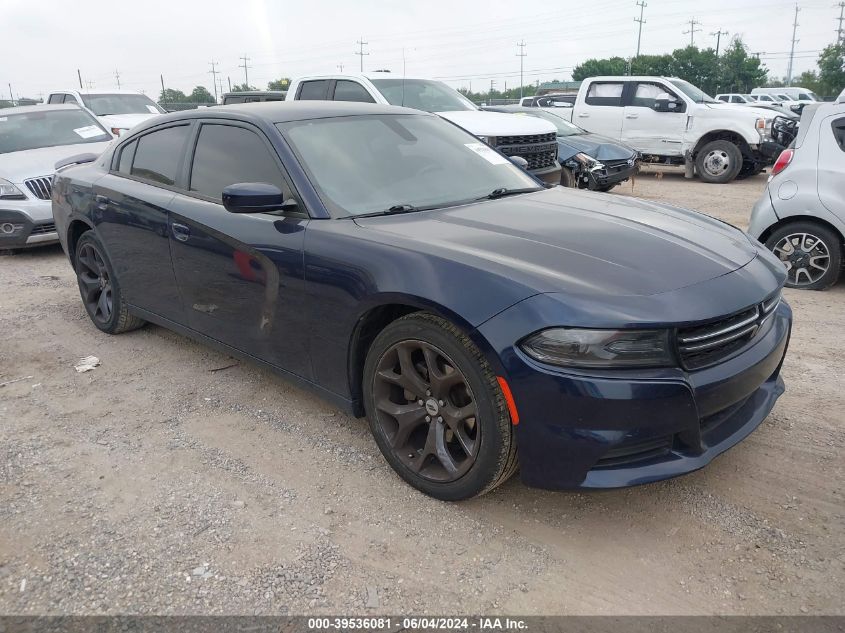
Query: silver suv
(801,215)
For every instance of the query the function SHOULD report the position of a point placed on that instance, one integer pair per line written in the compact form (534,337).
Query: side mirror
(520,162)
(254,197)
(665,103)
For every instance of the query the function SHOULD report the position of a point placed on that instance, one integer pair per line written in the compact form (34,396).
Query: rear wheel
(436,409)
(99,288)
(812,254)
(718,162)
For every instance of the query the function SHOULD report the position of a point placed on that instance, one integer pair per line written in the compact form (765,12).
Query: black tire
(809,241)
(99,287)
(605,188)
(718,162)
(495,457)
(567,178)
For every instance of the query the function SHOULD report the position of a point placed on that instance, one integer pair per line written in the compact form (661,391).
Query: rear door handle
(632,116)
(180,232)
(102,202)
(583,115)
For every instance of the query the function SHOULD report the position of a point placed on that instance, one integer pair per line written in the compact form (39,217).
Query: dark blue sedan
(407,272)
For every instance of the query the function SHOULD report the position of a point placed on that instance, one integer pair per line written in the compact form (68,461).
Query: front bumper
(622,428)
(26,232)
(612,174)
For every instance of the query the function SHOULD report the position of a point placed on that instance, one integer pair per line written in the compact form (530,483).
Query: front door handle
(583,115)
(102,202)
(632,116)
(180,232)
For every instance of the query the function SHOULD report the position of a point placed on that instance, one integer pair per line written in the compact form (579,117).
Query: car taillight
(783,161)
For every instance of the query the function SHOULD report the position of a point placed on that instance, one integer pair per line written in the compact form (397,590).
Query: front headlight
(8,191)
(576,347)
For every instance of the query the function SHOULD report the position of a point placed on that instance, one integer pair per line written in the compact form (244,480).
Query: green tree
(596,67)
(172,96)
(279,84)
(809,79)
(659,65)
(700,68)
(244,87)
(200,94)
(832,70)
(738,71)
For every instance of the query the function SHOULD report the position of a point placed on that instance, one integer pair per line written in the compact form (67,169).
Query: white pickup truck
(670,121)
(531,139)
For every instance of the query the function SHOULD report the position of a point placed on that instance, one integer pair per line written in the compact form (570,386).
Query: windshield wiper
(394,210)
(501,192)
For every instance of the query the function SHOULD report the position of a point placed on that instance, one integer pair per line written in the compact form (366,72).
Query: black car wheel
(436,409)
(812,254)
(567,178)
(718,162)
(100,289)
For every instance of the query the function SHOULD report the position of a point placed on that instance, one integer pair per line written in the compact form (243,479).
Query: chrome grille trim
(720,332)
(721,341)
(40,187)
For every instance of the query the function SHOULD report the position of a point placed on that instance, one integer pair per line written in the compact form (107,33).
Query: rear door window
(605,93)
(315,90)
(838,126)
(127,153)
(158,156)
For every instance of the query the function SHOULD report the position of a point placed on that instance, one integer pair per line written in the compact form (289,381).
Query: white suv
(117,110)
(532,139)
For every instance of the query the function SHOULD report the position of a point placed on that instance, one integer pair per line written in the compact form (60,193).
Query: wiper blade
(501,192)
(394,210)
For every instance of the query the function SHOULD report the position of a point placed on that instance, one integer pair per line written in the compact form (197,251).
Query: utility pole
(11,96)
(79,74)
(340,67)
(213,72)
(360,52)
(492,83)
(642,5)
(522,55)
(719,35)
(245,66)
(840,33)
(163,93)
(792,50)
(117,78)
(229,79)
(89,83)
(692,30)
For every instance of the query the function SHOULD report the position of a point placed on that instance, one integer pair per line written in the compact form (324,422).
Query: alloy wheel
(806,257)
(426,410)
(95,284)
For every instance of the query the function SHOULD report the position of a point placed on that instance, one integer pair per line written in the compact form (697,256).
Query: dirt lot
(155,484)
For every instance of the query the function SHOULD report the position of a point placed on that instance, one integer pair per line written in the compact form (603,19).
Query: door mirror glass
(665,103)
(253,197)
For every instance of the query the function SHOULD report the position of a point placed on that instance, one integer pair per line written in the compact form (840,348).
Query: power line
(719,35)
(245,66)
(692,30)
(642,5)
(792,49)
(522,55)
(360,52)
(213,72)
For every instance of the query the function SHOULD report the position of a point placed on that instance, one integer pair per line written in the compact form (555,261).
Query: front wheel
(436,409)
(812,254)
(718,162)
(567,178)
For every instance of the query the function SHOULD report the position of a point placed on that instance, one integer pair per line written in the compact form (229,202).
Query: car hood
(124,121)
(565,240)
(32,163)
(483,123)
(745,109)
(599,147)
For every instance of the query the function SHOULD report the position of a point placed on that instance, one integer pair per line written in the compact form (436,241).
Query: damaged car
(587,161)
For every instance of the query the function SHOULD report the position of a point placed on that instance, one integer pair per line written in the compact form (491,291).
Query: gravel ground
(161,483)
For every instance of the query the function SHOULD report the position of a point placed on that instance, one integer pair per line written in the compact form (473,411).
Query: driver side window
(646,94)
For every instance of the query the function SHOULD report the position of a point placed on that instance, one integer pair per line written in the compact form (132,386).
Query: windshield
(564,127)
(103,104)
(48,128)
(422,94)
(367,164)
(692,92)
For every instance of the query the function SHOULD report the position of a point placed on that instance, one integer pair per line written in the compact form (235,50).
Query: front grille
(616,166)
(41,187)
(539,154)
(47,227)
(706,344)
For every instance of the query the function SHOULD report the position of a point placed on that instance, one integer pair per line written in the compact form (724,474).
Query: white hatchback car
(32,140)
(801,215)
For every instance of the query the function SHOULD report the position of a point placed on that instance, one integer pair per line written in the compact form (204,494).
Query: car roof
(255,93)
(103,91)
(39,108)
(284,111)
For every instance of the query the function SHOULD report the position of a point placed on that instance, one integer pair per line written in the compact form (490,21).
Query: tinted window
(646,94)
(604,94)
(314,90)
(227,155)
(422,94)
(56,99)
(839,132)
(126,156)
(121,103)
(722,98)
(71,100)
(46,127)
(159,155)
(351,91)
